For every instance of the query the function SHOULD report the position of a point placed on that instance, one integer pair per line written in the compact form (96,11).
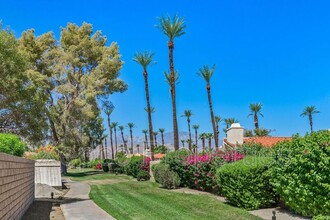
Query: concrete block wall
(48,172)
(16,186)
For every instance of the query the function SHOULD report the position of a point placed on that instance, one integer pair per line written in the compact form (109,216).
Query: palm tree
(196,127)
(183,141)
(172,28)
(108,109)
(217,120)
(210,136)
(121,128)
(114,126)
(188,114)
(206,73)
(145,59)
(155,133)
(255,109)
(145,132)
(131,126)
(162,130)
(229,122)
(203,136)
(310,111)
(138,148)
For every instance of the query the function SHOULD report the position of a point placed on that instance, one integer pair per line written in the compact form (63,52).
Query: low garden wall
(48,172)
(16,186)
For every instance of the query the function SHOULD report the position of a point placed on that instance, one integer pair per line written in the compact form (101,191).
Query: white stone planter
(48,172)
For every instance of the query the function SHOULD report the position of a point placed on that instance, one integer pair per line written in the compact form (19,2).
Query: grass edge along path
(144,200)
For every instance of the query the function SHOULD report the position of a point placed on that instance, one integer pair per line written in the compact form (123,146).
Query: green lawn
(92,174)
(145,200)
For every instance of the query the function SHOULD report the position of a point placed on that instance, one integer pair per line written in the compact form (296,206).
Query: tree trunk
(203,144)
(256,121)
(196,140)
(163,139)
(208,88)
(106,147)
(116,144)
(111,144)
(151,137)
(189,132)
(146,140)
(311,122)
(131,134)
(175,121)
(122,137)
(210,143)
(156,140)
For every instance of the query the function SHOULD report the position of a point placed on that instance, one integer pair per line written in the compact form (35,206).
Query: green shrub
(254,149)
(246,183)
(134,165)
(160,149)
(143,175)
(301,173)
(76,162)
(177,162)
(93,163)
(165,177)
(321,217)
(105,167)
(11,144)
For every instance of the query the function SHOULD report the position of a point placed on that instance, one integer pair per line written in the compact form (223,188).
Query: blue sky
(273,52)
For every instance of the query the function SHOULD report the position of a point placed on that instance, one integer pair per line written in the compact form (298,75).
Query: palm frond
(206,73)
(172,27)
(144,58)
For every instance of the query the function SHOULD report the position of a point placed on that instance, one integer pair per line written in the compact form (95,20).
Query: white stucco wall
(48,172)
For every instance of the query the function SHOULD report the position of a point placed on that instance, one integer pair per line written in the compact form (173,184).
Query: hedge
(302,173)
(246,183)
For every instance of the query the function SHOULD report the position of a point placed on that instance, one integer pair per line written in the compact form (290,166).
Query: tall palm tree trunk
(162,139)
(189,131)
(256,121)
(210,143)
(196,140)
(124,143)
(151,137)
(116,144)
(310,117)
(111,143)
(203,144)
(106,147)
(208,87)
(175,121)
(156,140)
(131,134)
(146,140)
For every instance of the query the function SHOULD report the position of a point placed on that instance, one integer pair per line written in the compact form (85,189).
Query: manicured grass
(92,174)
(145,200)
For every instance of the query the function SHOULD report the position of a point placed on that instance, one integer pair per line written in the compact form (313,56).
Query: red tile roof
(159,156)
(266,141)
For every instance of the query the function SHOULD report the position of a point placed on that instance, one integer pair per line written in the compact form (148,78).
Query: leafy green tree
(310,111)
(131,126)
(188,114)
(145,59)
(162,130)
(114,127)
(196,127)
(108,109)
(172,28)
(206,73)
(255,109)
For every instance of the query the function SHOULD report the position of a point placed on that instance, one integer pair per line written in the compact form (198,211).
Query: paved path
(78,206)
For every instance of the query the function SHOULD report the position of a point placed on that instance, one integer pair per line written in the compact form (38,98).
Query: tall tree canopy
(65,79)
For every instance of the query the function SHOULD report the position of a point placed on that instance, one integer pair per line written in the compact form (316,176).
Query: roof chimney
(235,134)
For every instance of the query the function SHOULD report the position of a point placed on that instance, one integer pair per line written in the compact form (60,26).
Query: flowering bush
(98,166)
(135,164)
(48,152)
(232,156)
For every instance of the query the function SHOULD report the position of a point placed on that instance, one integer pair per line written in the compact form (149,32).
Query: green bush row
(165,177)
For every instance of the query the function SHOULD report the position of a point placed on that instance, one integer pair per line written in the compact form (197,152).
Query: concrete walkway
(78,206)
